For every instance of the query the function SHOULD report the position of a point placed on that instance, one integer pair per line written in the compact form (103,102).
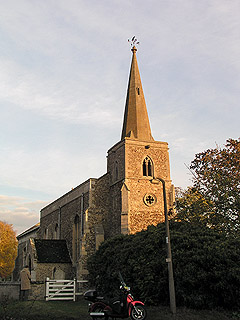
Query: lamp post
(169,253)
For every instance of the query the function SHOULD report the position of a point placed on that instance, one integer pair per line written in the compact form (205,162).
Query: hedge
(206,266)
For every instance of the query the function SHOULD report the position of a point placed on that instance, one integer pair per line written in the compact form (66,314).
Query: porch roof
(52,251)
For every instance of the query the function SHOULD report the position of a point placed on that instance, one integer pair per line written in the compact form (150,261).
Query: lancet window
(76,238)
(116,170)
(147,167)
(56,231)
(46,233)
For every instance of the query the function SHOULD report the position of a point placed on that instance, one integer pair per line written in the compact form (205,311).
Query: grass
(58,310)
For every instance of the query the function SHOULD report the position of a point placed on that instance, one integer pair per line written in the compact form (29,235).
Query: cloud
(53,170)
(20,212)
(64,71)
(71,102)
(70,74)
(43,70)
(9,200)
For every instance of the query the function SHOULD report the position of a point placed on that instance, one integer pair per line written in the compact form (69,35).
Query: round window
(149,199)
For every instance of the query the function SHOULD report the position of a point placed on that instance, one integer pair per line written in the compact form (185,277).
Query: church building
(126,199)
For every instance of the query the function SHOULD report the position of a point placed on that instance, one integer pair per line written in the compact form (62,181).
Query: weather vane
(133,41)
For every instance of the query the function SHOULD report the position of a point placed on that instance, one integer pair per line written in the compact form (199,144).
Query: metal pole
(169,253)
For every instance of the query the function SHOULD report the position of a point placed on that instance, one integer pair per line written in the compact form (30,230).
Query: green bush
(206,266)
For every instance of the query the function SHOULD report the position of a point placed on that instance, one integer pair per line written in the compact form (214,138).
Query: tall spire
(136,123)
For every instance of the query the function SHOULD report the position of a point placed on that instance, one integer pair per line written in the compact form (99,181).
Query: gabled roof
(52,251)
(29,231)
(136,123)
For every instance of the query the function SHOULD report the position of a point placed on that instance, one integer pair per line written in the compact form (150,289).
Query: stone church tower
(126,199)
(135,165)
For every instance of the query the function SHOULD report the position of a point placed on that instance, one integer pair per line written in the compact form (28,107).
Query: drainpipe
(59,222)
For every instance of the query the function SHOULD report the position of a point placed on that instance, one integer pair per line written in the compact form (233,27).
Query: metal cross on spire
(133,41)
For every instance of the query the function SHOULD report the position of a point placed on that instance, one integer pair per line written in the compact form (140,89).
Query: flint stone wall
(11,290)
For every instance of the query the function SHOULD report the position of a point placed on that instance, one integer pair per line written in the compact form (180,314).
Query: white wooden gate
(60,289)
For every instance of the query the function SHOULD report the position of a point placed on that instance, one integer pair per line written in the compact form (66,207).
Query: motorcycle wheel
(138,312)
(98,308)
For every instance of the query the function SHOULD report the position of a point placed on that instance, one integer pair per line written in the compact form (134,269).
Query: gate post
(47,288)
(74,289)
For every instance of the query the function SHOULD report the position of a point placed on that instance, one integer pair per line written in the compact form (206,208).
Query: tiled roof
(52,251)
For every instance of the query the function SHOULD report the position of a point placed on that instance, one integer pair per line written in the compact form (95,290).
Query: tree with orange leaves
(8,249)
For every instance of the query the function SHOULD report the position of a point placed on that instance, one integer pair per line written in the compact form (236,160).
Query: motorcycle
(122,307)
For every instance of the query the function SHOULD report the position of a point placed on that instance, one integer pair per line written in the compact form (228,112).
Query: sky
(64,67)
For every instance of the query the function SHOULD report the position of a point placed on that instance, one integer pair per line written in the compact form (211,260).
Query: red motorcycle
(122,307)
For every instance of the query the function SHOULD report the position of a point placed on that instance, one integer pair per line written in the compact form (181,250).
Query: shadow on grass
(62,310)
(39,310)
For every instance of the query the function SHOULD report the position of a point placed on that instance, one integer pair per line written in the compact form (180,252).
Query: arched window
(76,238)
(147,167)
(29,263)
(56,236)
(116,170)
(54,273)
(46,233)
